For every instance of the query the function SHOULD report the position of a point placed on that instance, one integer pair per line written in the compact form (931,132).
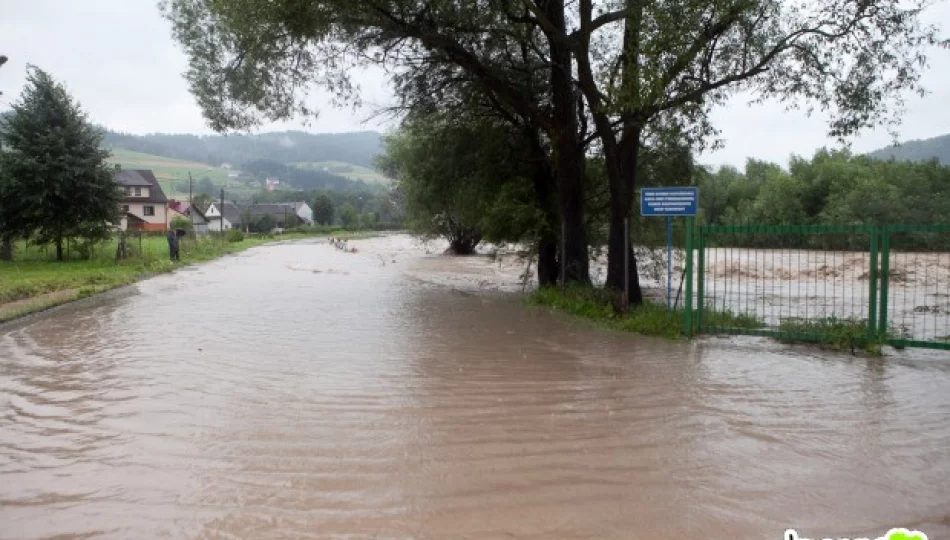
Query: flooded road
(297,391)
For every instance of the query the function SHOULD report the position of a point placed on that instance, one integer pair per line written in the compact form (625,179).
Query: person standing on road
(172,244)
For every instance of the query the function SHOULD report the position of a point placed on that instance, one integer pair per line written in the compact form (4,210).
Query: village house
(243,216)
(198,220)
(144,205)
(231,218)
(280,213)
(303,211)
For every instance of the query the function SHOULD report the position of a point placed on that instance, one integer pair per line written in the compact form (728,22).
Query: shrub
(650,318)
(181,223)
(235,236)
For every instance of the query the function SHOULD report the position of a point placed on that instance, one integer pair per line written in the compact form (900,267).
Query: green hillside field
(347,170)
(172,172)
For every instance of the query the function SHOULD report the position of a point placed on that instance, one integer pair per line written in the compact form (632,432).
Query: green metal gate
(860,283)
(915,286)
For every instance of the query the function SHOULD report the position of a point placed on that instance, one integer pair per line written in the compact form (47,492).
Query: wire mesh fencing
(915,285)
(815,283)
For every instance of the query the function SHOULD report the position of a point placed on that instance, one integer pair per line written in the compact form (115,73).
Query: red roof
(179,206)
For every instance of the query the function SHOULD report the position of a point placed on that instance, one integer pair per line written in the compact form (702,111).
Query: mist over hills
(917,150)
(357,148)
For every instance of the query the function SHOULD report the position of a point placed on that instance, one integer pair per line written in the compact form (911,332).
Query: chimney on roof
(118,167)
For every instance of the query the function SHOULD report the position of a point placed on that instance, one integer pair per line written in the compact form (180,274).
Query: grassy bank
(651,318)
(36,281)
(836,333)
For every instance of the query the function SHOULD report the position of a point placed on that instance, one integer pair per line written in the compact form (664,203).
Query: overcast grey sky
(118,59)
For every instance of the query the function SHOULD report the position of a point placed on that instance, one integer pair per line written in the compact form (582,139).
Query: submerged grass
(650,318)
(838,333)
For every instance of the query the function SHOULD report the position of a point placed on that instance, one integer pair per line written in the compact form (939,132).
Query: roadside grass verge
(650,318)
(35,281)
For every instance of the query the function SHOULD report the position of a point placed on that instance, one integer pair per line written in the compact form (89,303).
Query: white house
(144,205)
(230,220)
(303,211)
(198,220)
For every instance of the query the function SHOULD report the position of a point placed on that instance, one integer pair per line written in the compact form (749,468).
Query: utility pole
(191,211)
(221,210)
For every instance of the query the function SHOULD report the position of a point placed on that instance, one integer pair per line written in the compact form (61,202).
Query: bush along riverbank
(35,281)
(650,318)
(654,319)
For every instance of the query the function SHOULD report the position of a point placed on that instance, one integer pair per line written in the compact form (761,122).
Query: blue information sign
(669,201)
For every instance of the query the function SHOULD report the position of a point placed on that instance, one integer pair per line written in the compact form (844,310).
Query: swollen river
(297,391)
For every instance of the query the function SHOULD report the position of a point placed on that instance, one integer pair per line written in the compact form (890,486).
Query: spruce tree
(55,183)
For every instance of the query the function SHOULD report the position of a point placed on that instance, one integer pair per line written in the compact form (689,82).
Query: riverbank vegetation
(839,334)
(831,188)
(651,318)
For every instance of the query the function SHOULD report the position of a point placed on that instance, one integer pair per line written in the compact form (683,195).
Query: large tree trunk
(462,239)
(545,186)
(463,244)
(569,154)
(6,250)
(622,181)
(59,248)
(623,172)
(547,260)
(574,253)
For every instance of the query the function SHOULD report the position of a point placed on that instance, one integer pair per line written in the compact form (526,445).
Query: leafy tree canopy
(643,69)
(463,178)
(349,217)
(323,210)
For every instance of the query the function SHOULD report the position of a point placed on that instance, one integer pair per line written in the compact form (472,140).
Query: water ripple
(297,391)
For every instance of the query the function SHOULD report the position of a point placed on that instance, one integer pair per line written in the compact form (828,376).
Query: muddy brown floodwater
(298,391)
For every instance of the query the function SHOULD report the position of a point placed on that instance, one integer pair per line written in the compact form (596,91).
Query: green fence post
(885,280)
(688,304)
(872,283)
(700,279)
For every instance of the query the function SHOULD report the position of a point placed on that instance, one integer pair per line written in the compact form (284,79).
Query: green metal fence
(915,285)
(821,283)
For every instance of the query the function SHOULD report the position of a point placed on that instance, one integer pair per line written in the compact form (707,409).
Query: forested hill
(357,148)
(918,150)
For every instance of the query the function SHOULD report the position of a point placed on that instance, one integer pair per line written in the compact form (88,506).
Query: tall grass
(35,273)
(838,333)
(650,318)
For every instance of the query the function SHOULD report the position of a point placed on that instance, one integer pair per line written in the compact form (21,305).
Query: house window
(138,193)
(125,208)
(128,191)
(148,210)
